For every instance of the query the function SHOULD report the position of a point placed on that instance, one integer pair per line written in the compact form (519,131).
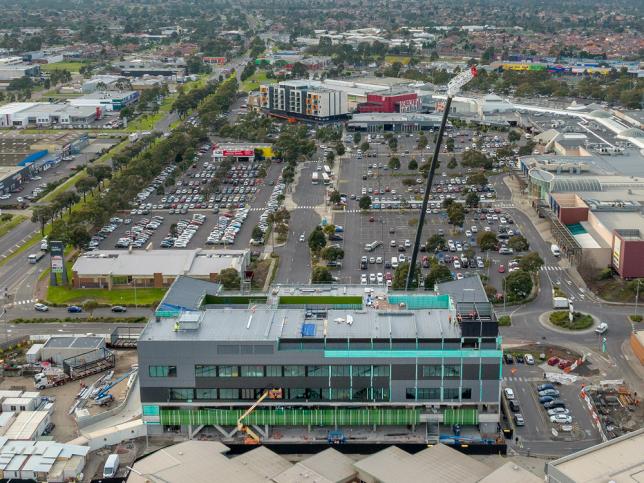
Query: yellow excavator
(251,437)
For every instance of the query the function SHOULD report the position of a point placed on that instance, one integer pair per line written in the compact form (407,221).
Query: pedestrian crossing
(25,302)
(552,268)
(522,379)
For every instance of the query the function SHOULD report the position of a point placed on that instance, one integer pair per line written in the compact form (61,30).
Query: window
(250,394)
(206,393)
(361,394)
(361,371)
(294,371)
(273,371)
(205,371)
(181,394)
(228,393)
(314,394)
(433,370)
(341,393)
(340,371)
(410,393)
(452,370)
(466,393)
(296,393)
(162,371)
(451,393)
(380,371)
(381,393)
(228,371)
(252,371)
(429,393)
(317,371)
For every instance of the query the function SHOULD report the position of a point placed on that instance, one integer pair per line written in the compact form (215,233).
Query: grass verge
(107,320)
(635,318)
(24,247)
(119,296)
(253,82)
(7,226)
(580,321)
(73,67)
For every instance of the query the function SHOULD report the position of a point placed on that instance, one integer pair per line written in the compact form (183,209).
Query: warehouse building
(15,68)
(152,268)
(393,122)
(332,356)
(106,101)
(140,68)
(45,114)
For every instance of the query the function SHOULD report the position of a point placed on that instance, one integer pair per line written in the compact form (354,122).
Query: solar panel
(308,330)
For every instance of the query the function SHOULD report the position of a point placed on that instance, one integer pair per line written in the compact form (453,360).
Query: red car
(553,361)
(563,363)
(501,268)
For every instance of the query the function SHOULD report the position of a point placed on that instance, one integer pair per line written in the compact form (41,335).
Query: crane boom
(454,86)
(252,437)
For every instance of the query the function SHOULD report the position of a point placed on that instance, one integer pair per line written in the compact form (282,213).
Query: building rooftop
(107,95)
(187,293)
(168,262)
(511,473)
(87,342)
(629,221)
(328,466)
(394,117)
(619,460)
(26,425)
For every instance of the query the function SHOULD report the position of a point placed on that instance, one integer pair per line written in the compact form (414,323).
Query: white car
(457,264)
(380,278)
(41,307)
(475,229)
(509,393)
(363,279)
(561,419)
(378,259)
(401,258)
(392,243)
(459,276)
(468,233)
(555,411)
(302,237)
(372,278)
(407,243)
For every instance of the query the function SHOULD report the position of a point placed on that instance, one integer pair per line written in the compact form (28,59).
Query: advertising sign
(57,263)
(240,152)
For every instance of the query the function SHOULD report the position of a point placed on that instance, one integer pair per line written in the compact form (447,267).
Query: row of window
(208,370)
(434,393)
(291,371)
(293,394)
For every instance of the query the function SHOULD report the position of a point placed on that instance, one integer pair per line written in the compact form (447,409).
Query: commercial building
(242,151)
(153,268)
(100,83)
(619,460)
(335,357)
(15,68)
(396,122)
(140,68)
(398,99)
(45,114)
(106,101)
(303,100)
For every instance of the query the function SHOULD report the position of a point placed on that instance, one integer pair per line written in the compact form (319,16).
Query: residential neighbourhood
(359,242)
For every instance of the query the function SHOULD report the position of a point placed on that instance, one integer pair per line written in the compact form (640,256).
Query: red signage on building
(238,153)
(214,60)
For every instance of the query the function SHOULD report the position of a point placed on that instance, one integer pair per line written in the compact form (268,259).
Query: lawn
(253,82)
(580,321)
(121,296)
(145,122)
(7,226)
(70,66)
(403,59)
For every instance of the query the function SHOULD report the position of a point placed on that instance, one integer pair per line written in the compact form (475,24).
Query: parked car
(119,308)
(553,411)
(74,309)
(561,419)
(529,359)
(553,361)
(549,392)
(543,387)
(546,399)
(557,403)
(514,406)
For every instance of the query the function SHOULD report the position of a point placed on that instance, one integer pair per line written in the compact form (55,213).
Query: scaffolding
(125,337)
(88,363)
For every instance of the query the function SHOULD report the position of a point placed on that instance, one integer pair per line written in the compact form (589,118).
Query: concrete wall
(111,436)
(596,258)
(632,259)
(601,230)
(637,344)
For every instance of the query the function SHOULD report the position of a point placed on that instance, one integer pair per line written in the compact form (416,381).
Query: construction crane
(453,88)
(103,393)
(251,437)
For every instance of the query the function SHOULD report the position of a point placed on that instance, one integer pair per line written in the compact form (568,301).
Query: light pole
(637,296)
(453,87)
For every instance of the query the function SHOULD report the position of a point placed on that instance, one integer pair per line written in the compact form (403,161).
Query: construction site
(615,407)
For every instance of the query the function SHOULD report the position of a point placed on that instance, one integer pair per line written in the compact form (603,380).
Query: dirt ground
(66,428)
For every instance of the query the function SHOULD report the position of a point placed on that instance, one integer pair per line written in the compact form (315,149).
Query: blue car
(74,309)
(546,399)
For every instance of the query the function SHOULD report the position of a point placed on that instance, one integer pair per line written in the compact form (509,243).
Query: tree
(531,262)
(365,202)
(477,178)
(329,229)
(452,164)
(321,274)
(317,240)
(456,214)
(422,141)
(472,199)
(447,202)
(518,285)
(335,197)
(413,165)
(90,306)
(79,237)
(340,149)
(400,276)
(435,242)
(518,243)
(449,144)
(394,162)
(439,273)
(332,254)
(42,214)
(229,278)
(393,143)
(514,135)
(356,137)
(526,149)
(364,146)
(486,241)
(476,159)
(257,234)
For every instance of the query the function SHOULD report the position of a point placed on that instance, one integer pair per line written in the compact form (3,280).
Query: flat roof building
(153,268)
(106,100)
(397,122)
(40,114)
(619,460)
(381,359)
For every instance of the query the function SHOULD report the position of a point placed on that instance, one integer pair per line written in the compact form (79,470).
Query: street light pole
(637,296)
(453,88)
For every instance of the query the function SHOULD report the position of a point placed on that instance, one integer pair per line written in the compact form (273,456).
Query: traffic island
(559,321)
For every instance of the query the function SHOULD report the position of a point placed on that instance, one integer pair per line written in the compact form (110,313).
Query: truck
(372,246)
(49,378)
(559,303)
(111,466)
(36,257)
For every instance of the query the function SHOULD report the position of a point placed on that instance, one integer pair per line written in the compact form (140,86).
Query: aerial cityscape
(299,241)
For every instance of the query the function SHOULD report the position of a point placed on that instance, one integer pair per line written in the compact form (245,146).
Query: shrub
(579,321)
(635,318)
(505,321)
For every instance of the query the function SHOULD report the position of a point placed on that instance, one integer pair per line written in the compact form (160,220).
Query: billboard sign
(238,152)
(56,250)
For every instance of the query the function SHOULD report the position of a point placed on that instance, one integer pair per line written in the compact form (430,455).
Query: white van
(555,250)
(394,262)
(111,466)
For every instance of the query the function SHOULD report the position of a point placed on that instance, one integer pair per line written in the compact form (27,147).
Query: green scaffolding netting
(292,417)
(464,416)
